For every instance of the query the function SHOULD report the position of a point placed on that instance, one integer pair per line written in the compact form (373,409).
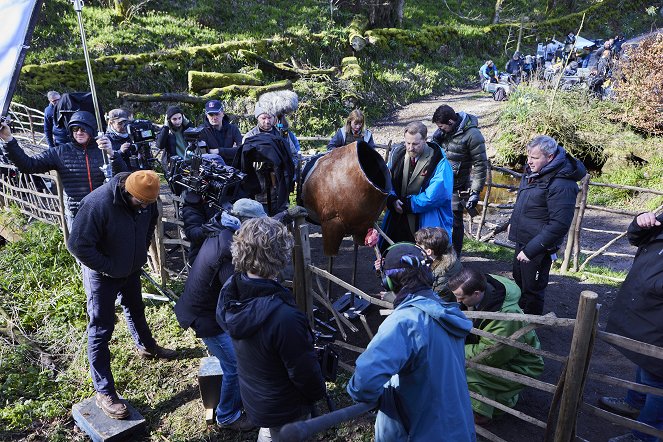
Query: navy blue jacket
(79,168)
(227,140)
(108,235)
(279,375)
(54,134)
(196,308)
(545,204)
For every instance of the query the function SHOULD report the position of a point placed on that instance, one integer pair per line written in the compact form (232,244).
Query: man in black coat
(279,375)
(79,163)
(638,314)
(54,134)
(459,135)
(110,237)
(222,136)
(542,216)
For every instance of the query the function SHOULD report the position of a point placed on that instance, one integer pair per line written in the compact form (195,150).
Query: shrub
(639,83)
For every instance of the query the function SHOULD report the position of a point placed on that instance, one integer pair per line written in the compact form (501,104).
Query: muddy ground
(561,297)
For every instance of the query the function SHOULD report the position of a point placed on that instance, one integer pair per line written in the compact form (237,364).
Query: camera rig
(214,182)
(141,134)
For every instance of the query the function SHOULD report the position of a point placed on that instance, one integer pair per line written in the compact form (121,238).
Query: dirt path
(563,292)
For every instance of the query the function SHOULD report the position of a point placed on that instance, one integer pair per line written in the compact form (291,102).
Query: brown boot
(157,352)
(112,406)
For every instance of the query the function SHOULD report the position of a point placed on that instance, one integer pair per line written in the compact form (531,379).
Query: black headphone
(410,261)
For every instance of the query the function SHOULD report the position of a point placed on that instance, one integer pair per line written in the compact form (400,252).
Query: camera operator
(116,131)
(279,375)
(195,212)
(171,137)
(79,162)
(222,137)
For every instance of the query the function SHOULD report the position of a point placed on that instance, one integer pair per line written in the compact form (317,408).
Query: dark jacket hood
(467,121)
(247,303)
(219,222)
(85,120)
(563,165)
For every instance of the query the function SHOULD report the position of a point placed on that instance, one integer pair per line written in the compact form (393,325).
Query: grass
(487,250)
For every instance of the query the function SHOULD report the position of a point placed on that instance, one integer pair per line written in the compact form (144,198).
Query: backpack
(499,94)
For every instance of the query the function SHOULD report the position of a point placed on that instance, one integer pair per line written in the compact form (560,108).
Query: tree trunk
(122,7)
(384,13)
(571,5)
(498,11)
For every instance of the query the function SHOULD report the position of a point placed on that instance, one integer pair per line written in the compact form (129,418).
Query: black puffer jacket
(79,166)
(638,310)
(108,235)
(546,201)
(466,152)
(196,308)
(279,375)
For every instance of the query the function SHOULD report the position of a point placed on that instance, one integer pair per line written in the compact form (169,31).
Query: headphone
(408,261)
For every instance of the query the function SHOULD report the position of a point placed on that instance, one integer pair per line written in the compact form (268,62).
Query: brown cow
(345,191)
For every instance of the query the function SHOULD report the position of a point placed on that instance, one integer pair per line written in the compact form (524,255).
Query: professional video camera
(327,356)
(192,137)
(215,183)
(141,134)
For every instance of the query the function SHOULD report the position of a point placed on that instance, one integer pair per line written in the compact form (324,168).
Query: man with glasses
(123,208)
(222,136)
(54,134)
(78,162)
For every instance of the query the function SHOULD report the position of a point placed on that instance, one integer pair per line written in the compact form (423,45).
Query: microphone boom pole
(78,7)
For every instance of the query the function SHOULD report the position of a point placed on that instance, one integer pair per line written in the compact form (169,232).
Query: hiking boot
(242,424)
(625,438)
(480,419)
(618,406)
(112,406)
(157,352)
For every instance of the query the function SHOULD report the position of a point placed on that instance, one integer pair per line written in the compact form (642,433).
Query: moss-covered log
(216,93)
(284,69)
(350,68)
(356,31)
(199,81)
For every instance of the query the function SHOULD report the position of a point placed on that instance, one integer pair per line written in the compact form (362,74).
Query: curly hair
(261,246)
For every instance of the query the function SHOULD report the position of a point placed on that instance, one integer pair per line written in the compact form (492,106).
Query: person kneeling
(492,293)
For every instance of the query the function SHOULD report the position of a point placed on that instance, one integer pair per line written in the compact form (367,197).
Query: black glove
(391,199)
(472,201)
(407,205)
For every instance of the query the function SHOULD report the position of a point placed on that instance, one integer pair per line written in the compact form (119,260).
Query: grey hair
(52,94)
(416,127)
(261,246)
(546,144)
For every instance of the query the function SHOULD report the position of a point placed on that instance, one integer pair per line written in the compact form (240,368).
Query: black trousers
(458,232)
(532,278)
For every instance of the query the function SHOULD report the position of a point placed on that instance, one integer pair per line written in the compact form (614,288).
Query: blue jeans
(651,406)
(101,293)
(229,408)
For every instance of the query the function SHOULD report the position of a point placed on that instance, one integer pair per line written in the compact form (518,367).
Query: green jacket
(502,296)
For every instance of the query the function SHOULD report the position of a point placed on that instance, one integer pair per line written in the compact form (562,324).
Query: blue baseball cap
(213,107)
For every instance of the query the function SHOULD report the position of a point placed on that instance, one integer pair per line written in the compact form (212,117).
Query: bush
(639,75)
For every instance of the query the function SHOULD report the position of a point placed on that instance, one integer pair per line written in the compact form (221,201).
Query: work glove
(472,201)
(296,211)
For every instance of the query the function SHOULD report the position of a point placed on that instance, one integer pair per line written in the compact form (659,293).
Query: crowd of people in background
(234,300)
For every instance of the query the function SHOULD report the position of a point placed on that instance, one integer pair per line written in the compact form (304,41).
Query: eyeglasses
(77,129)
(141,202)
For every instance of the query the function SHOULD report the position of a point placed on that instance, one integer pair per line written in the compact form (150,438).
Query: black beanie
(172,110)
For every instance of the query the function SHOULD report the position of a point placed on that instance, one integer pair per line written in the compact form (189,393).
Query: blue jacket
(488,73)
(418,350)
(109,236)
(433,202)
(54,134)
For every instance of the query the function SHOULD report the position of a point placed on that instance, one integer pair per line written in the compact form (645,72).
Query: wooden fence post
(486,199)
(301,255)
(160,249)
(570,236)
(584,191)
(63,218)
(576,368)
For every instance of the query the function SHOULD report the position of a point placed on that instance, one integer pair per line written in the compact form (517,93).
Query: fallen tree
(199,81)
(284,69)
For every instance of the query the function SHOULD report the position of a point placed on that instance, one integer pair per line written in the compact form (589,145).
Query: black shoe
(242,424)
(157,352)
(112,406)
(618,406)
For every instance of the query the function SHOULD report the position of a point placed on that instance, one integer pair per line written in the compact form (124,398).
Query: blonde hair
(355,115)
(261,246)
